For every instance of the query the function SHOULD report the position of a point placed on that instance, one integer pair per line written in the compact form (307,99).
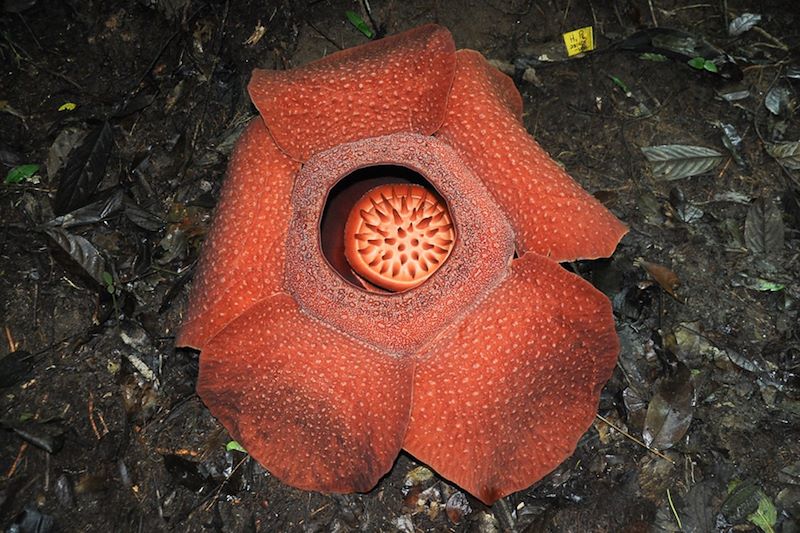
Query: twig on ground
(634,439)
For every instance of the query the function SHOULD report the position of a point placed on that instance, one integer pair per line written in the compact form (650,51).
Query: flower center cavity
(397,231)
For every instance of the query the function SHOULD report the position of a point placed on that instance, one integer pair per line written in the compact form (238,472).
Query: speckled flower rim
(405,320)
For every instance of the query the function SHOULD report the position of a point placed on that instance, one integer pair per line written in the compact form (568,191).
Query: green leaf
(765,516)
(650,56)
(765,285)
(619,83)
(21,173)
(109,281)
(233,445)
(697,62)
(701,63)
(359,23)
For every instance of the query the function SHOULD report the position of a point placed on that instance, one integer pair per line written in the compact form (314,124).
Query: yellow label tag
(69,106)
(579,41)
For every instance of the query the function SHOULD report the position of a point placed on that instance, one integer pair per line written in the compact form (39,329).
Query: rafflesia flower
(382,274)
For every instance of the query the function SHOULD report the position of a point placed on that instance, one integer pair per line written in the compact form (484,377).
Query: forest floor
(100,428)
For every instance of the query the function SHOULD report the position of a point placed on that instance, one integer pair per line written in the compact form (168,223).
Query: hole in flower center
(394,230)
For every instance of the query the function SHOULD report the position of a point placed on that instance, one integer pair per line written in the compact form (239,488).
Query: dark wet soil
(100,429)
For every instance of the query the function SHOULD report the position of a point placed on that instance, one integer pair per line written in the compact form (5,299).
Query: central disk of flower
(397,235)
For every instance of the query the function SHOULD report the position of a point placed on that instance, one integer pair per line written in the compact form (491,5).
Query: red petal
(321,411)
(243,256)
(398,83)
(506,394)
(550,213)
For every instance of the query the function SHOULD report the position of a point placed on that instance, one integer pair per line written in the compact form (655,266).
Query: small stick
(12,345)
(90,406)
(20,453)
(652,13)
(674,512)
(106,431)
(778,43)
(634,439)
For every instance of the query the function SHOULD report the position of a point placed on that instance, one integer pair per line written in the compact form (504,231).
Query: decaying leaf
(734,96)
(457,507)
(84,170)
(258,33)
(700,507)
(15,367)
(677,161)
(94,212)
(779,99)
(666,278)
(787,153)
(733,142)
(684,210)
(417,476)
(743,23)
(62,146)
(695,509)
(744,498)
(763,228)
(142,218)
(669,413)
(732,196)
(636,407)
(81,251)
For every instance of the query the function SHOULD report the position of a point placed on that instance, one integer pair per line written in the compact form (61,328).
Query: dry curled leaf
(666,278)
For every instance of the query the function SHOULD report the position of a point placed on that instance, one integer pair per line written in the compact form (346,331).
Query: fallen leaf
(94,212)
(678,161)
(66,140)
(778,100)
(81,252)
(84,170)
(743,23)
(763,227)
(666,278)
(457,507)
(669,413)
(787,153)
(743,500)
(733,142)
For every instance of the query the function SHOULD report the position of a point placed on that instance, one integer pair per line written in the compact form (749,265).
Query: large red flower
(359,291)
